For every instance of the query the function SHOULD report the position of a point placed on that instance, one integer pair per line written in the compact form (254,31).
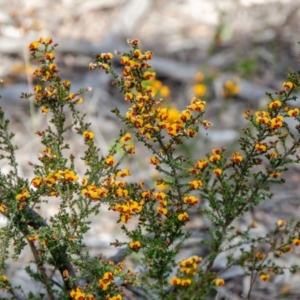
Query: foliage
(221,186)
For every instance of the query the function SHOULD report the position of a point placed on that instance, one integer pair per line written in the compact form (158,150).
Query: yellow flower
(36,181)
(135,244)
(217,171)
(104,66)
(23,195)
(88,135)
(128,96)
(110,160)
(33,46)
(287,85)
(236,157)
(126,137)
(106,56)
(44,109)
(3,208)
(49,56)
(281,223)
(273,154)
(264,277)
(149,75)
(164,91)
(296,242)
(183,216)
(202,163)
(77,294)
(154,160)
(159,195)
(199,89)
(254,224)
(175,280)
(3,278)
(103,284)
(186,282)
(195,184)
(70,176)
(191,200)
(162,210)
(148,55)
(274,104)
(197,105)
(276,122)
(275,174)
(230,88)
(219,282)
(33,238)
(260,147)
(293,112)
(260,255)
(137,54)
(124,173)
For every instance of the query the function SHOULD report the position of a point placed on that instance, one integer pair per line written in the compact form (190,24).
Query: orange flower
(3,208)
(260,255)
(154,160)
(65,273)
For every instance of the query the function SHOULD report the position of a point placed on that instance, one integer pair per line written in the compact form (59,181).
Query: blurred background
(227,52)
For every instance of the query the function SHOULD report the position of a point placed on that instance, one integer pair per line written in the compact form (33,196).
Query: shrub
(221,186)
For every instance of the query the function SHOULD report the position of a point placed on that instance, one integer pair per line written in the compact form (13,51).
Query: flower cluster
(187,269)
(79,294)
